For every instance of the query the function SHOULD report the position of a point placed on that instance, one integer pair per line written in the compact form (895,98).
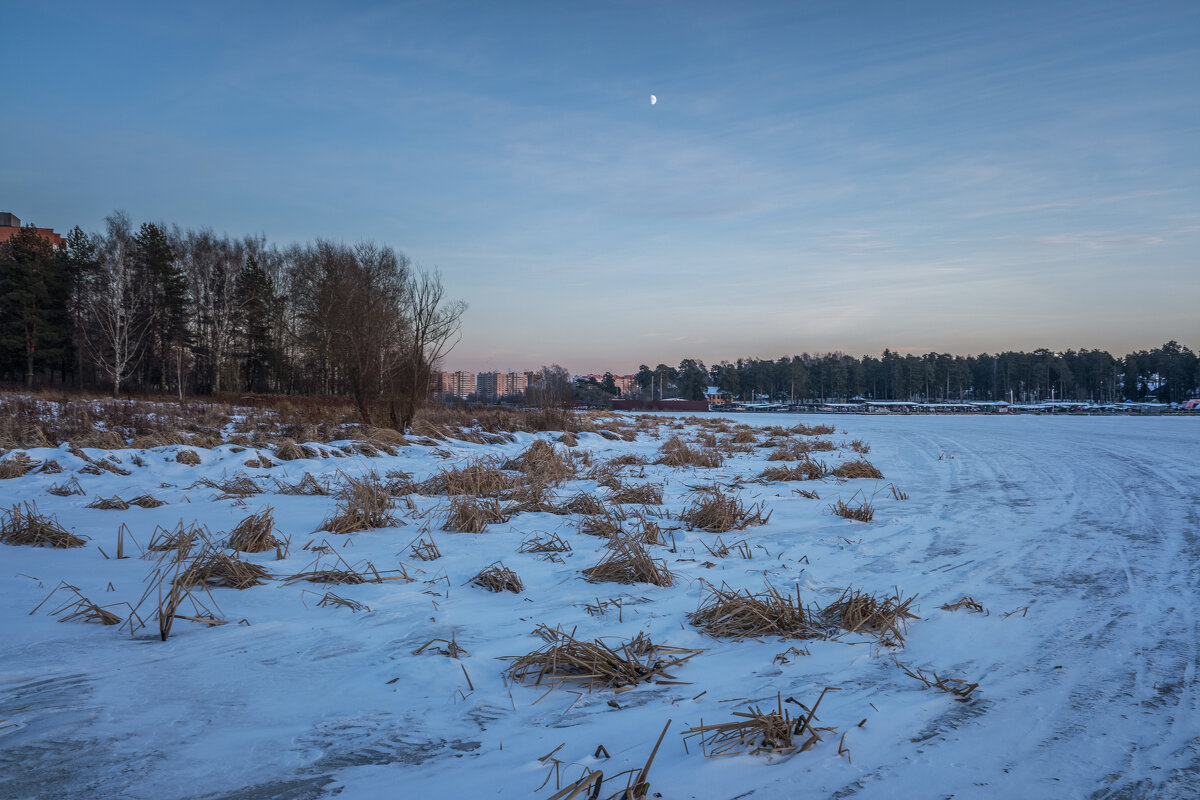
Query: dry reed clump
(610,522)
(331,600)
(52,467)
(545,545)
(342,571)
(716,511)
(531,498)
(543,463)
(597,665)
(78,607)
(955,686)
(740,614)
(239,487)
(858,612)
(806,470)
(481,478)
(146,501)
(675,453)
(860,447)
(210,567)
(720,549)
(307,486)
(569,439)
(743,436)
(15,465)
(967,602)
(498,578)
(113,503)
(400,483)
(187,457)
(255,533)
(23,524)
(646,494)
(627,460)
(628,562)
(771,732)
(426,550)
(647,530)
(290,451)
(583,503)
(178,539)
(362,503)
(860,468)
(813,430)
(467,514)
(863,512)
(67,489)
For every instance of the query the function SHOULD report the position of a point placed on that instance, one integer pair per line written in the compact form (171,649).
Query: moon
(653,99)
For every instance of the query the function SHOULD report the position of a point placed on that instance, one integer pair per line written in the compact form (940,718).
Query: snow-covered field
(1087,528)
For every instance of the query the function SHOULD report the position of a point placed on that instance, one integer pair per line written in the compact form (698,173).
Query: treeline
(1170,374)
(158,309)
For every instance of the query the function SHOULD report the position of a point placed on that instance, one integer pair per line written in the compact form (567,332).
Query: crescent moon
(653,99)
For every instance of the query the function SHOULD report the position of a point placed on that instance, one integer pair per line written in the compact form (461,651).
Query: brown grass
(955,686)
(610,522)
(238,487)
(467,514)
(307,486)
(583,503)
(52,467)
(863,512)
(858,612)
(146,501)
(717,511)
(675,453)
(481,478)
(362,504)
(16,465)
(23,524)
(720,549)
(804,471)
(740,614)
(860,447)
(860,468)
(113,503)
(178,539)
(543,463)
(813,430)
(67,489)
(343,572)
(331,600)
(771,732)
(628,562)
(211,567)
(255,533)
(187,457)
(290,451)
(594,663)
(78,607)
(546,545)
(426,550)
(646,494)
(967,602)
(743,436)
(531,497)
(498,578)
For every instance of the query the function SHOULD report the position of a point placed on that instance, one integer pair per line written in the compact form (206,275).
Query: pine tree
(32,295)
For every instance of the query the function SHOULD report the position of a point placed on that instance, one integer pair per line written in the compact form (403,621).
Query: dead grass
(864,511)
(594,663)
(146,501)
(806,470)
(187,457)
(628,562)
(774,733)
(498,578)
(739,614)
(255,533)
(543,463)
(307,486)
(954,686)
(237,487)
(583,503)
(23,524)
(546,545)
(16,465)
(290,451)
(178,539)
(467,514)
(885,619)
(743,436)
(675,453)
(331,600)
(481,478)
(860,468)
(720,549)
(609,523)
(426,550)
(362,504)
(52,467)
(113,503)
(716,511)
(531,497)
(78,607)
(967,602)
(813,430)
(341,571)
(860,447)
(67,489)
(211,567)
(646,494)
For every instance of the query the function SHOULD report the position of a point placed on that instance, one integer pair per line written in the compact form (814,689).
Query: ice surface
(1093,524)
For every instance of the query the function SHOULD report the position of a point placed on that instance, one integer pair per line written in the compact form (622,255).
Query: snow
(1088,528)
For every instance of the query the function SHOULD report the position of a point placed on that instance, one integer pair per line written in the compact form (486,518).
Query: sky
(843,176)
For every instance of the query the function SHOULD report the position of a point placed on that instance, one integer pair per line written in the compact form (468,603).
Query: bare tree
(431,330)
(117,326)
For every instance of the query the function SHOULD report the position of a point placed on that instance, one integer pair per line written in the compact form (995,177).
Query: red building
(10,225)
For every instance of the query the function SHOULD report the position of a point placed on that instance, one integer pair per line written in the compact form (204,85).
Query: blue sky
(815,176)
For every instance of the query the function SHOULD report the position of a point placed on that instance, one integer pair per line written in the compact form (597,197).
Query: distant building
(459,384)
(492,386)
(625,383)
(10,225)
